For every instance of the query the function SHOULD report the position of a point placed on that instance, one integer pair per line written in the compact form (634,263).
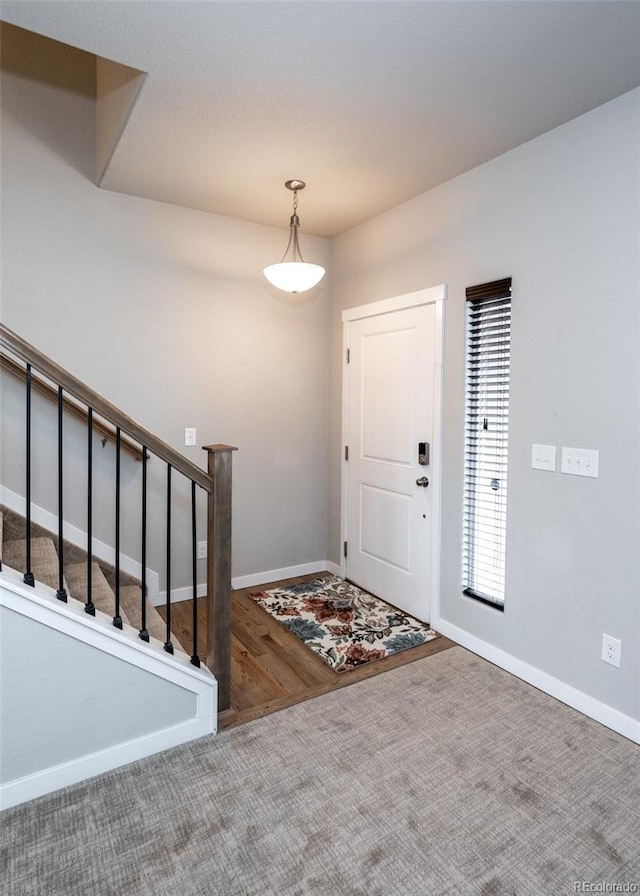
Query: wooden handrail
(70,405)
(71,384)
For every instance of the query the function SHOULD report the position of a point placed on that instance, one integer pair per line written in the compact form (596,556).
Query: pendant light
(293,274)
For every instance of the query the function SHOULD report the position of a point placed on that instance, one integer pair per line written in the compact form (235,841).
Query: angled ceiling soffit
(117,89)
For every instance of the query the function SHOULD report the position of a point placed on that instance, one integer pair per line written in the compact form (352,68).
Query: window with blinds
(486,441)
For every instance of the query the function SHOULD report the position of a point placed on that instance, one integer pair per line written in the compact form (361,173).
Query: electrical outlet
(611,648)
(202,550)
(189,437)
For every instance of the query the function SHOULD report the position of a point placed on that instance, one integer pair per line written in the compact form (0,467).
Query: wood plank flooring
(270,668)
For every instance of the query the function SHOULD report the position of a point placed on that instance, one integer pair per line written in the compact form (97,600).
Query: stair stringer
(86,722)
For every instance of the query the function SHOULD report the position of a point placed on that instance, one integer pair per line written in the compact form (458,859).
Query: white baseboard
(560,690)
(276,575)
(77,537)
(177,594)
(258,578)
(51,779)
(39,603)
(158,598)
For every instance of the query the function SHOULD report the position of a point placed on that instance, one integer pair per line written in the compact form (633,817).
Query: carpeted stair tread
(44,565)
(13,526)
(44,559)
(156,626)
(102,595)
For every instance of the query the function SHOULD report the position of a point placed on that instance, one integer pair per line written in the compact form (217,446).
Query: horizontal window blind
(486,441)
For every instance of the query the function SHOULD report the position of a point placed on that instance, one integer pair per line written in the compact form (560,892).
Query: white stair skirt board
(611,718)
(197,718)
(101,551)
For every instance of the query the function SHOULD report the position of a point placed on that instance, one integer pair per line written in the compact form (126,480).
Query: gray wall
(164,311)
(560,215)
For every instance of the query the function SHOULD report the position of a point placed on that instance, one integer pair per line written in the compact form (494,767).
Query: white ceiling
(370,102)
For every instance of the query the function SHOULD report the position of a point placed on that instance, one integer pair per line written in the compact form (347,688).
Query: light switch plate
(580,462)
(189,437)
(543,457)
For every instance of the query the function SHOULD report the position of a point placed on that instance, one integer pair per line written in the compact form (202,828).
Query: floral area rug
(345,626)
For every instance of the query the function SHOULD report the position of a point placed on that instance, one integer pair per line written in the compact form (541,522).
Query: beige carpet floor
(446,777)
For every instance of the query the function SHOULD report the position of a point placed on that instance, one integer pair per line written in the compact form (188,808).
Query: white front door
(391,379)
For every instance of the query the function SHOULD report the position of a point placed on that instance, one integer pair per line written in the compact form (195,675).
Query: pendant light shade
(293,274)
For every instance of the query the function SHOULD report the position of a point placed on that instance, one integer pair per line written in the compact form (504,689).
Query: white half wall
(80,698)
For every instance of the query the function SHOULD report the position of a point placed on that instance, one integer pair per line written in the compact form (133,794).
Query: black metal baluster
(28,575)
(168,645)
(117,619)
(194,558)
(89,607)
(61,593)
(144,634)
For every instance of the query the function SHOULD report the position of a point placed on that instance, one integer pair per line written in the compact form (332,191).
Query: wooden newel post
(219,571)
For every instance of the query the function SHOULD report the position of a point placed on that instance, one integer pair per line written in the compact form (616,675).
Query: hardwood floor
(270,668)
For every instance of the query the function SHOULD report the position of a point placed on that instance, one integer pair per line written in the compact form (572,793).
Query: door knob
(423,481)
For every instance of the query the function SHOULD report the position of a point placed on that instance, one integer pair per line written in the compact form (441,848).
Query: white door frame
(435,295)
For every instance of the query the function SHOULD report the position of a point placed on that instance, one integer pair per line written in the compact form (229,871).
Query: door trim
(435,295)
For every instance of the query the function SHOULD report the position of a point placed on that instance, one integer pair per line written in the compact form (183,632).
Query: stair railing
(73,395)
